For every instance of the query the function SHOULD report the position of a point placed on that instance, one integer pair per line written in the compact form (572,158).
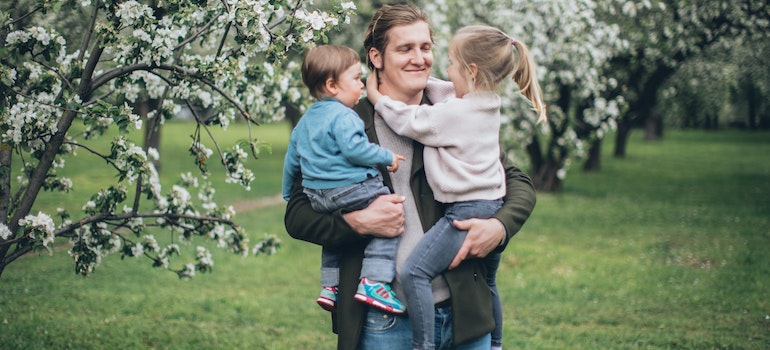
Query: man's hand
(484,235)
(382,218)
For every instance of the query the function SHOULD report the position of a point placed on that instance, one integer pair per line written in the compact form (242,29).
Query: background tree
(570,45)
(604,65)
(225,56)
(662,36)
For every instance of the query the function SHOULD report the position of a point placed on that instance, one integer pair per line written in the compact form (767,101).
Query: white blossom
(5,233)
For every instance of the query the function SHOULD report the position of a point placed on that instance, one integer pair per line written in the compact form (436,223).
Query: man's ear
(375,58)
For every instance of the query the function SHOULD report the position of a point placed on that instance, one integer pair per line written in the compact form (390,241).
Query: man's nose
(418,58)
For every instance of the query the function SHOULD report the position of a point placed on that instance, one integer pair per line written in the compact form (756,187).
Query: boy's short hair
(324,62)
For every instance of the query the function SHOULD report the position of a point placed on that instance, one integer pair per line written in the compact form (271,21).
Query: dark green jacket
(470,296)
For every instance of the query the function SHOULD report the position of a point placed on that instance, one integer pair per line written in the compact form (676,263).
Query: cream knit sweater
(461,138)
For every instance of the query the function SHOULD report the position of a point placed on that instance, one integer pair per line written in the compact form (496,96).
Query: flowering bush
(228,58)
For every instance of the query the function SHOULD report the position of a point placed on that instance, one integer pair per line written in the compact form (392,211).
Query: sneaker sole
(378,304)
(327,304)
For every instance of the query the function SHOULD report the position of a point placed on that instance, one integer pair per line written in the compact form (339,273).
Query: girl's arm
(372,93)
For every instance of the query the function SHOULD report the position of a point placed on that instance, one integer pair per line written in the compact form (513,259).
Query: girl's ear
(375,58)
(473,71)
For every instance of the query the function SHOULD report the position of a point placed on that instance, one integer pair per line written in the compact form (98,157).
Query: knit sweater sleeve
(418,122)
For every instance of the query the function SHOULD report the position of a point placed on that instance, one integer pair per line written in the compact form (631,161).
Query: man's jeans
(385,331)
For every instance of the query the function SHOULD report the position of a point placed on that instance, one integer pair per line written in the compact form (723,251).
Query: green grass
(665,249)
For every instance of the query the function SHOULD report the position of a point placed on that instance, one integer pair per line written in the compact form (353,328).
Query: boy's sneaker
(380,296)
(328,299)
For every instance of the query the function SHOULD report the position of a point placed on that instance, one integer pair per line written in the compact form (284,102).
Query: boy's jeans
(380,253)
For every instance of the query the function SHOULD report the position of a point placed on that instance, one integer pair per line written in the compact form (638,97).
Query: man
(399,45)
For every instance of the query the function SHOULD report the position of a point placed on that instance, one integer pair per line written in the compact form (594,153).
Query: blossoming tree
(663,35)
(228,57)
(569,43)
(602,64)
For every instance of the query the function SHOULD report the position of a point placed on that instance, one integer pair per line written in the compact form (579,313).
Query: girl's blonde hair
(497,56)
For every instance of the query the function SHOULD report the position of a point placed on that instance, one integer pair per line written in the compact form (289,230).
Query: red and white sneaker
(328,299)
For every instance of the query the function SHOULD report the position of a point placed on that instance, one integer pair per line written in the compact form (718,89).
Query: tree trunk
(751,101)
(152,137)
(545,178)
(653,128)
(152,127)
(621,138)
(5,197)
(594,160)
(292,113)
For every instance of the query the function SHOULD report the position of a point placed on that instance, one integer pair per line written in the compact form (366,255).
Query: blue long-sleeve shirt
(331,149)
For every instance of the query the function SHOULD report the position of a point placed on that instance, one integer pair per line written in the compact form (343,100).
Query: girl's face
(457,74)
(349,85)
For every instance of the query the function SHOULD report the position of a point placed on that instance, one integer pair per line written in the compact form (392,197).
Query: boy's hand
(394,165)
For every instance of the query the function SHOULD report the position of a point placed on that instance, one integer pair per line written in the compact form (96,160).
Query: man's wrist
(504,237)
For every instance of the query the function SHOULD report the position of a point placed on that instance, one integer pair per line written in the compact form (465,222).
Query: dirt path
(253,204)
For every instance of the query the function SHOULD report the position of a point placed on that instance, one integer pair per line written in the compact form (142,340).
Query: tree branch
(203,29)
(88,33)
(30,13)
(65,231)
(117,72)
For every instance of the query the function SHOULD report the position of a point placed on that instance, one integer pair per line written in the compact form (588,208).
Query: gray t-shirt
(412,229)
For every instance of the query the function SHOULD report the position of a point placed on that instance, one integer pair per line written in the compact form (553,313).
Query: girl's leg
(431,256)
(492,261)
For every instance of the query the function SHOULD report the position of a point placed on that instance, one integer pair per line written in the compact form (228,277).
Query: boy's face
(349,85)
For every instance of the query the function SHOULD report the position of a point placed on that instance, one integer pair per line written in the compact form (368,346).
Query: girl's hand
(372,86)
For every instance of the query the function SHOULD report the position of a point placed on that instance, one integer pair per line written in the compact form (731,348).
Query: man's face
(405,65)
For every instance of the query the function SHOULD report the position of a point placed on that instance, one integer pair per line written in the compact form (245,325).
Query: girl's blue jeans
(430,257)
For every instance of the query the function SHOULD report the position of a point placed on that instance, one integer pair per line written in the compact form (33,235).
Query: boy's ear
(331,86)
(375,58)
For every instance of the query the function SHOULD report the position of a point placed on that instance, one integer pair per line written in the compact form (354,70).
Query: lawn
(664,249)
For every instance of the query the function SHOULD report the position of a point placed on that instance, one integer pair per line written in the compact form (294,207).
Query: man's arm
(383,218)
(484,235)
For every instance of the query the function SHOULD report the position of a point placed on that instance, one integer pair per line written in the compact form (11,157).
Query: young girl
(461,156)
(338,167)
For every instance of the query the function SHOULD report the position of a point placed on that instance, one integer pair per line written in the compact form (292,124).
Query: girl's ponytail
(525,76)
